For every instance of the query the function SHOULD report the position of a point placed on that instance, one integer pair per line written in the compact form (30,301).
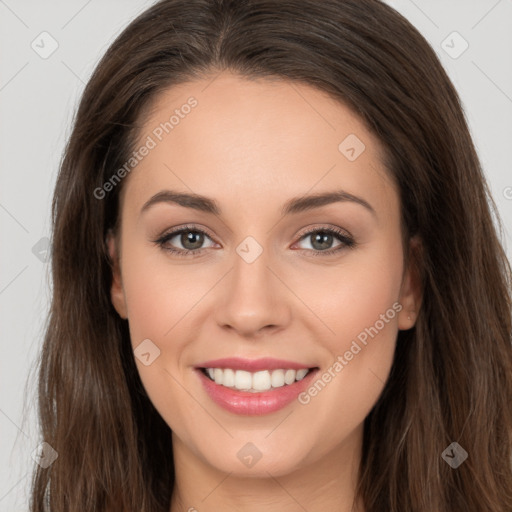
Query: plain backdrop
(39,92)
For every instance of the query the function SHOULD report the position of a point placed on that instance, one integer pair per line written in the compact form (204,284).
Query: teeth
(261,381)
(257,381)
(277,379)
(218,375)
(289,376)
(228,378)
(301,374)
(243,380)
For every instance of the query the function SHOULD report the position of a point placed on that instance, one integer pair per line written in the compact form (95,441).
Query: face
(259,283)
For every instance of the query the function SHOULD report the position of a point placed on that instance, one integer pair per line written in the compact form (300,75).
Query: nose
(254,299)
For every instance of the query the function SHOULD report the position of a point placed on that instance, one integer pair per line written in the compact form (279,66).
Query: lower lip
(253,404)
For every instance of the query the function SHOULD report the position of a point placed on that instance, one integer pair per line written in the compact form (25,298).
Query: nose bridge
(252,298)
(250,272)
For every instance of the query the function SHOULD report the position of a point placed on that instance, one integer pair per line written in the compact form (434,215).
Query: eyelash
(347,241)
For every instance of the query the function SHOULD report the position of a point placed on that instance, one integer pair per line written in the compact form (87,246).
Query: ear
(411,293)
(116,291)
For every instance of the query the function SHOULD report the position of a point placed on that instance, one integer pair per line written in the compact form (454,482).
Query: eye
(323,238)
(190,238)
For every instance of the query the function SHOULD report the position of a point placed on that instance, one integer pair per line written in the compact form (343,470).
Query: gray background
(38,97)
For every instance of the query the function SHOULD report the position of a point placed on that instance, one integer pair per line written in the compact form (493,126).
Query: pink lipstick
(254,386)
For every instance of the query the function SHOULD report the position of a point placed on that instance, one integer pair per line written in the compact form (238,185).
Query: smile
(254,387)
(255,382)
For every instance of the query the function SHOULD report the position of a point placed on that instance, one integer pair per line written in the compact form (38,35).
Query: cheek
(353,294)
(161,296)
(158,292)
(361,306)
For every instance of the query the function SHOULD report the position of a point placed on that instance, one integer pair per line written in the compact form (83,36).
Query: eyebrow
(292,206)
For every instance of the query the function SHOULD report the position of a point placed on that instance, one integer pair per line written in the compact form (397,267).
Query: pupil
(189,237)
(324,240)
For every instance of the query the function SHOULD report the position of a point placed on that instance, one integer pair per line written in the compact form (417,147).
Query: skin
(252,145)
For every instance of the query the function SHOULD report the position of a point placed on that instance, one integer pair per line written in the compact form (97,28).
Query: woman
(277,283)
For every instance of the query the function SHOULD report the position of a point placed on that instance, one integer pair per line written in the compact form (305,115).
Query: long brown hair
(451,380)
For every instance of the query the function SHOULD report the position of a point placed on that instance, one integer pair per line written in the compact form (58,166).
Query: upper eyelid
(313,229)
(177,231)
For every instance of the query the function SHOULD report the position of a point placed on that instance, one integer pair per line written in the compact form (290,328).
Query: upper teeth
(257,381)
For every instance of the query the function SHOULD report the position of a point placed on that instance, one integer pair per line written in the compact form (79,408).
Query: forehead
(266,139)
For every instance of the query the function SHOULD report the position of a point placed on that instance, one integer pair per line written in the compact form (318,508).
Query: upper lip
(253,365)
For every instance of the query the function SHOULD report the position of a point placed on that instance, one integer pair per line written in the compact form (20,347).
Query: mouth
(255,382)
(254,387)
